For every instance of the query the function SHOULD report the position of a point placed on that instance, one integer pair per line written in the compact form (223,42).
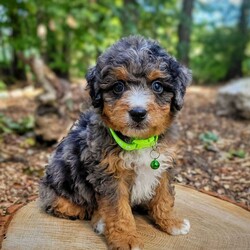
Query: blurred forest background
(210,36)
(46,47)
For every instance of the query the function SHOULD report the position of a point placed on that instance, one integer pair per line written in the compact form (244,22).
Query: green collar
(136,143)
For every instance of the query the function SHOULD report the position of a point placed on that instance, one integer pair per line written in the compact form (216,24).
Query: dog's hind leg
(59,206)
(64,208)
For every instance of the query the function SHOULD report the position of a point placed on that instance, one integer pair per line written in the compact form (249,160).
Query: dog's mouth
(138,126)
(138,130)
(132,133)
(138,123)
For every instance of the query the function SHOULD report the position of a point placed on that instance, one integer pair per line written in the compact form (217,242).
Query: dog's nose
(138,114)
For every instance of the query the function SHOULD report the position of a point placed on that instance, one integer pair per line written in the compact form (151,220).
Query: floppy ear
(182,77)
(94,89)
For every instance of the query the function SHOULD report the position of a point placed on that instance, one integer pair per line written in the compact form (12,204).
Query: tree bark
(17,68)
(184,31)
(61,49)
(242,36)
(129,16)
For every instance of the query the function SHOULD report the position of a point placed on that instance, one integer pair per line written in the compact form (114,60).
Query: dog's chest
(146,178)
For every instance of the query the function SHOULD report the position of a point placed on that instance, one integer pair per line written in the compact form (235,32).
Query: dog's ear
(181,77)
(94,89)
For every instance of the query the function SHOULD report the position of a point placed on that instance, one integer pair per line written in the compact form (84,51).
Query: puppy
(118,154)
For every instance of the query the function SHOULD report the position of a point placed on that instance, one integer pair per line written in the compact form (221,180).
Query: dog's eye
(118,87)
(157,87)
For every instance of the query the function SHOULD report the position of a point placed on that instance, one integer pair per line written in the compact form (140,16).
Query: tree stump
(215,224)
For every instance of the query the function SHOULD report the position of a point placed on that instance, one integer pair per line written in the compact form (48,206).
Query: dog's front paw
(126,243)
(99,227)
(183,228)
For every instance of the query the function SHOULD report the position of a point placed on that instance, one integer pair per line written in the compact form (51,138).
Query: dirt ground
(210,166)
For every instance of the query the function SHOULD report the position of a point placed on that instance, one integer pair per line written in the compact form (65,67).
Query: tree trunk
(65,54)
(61,49)
(129,17)
(242,36)
(17,67)
(184,31)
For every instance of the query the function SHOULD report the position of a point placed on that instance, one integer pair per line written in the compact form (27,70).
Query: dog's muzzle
(138,114)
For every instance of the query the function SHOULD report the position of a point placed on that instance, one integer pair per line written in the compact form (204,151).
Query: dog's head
(138,87)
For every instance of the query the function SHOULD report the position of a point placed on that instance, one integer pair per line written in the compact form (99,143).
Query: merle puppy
(118,154)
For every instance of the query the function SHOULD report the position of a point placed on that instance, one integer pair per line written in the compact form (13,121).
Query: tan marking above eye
(155,74)
(121,73)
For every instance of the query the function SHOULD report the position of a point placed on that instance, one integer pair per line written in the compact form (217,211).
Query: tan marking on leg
(116,213)
(65,209)
(161,210)
(120,228)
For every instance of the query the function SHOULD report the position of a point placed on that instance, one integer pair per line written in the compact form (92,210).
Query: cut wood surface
(215,224)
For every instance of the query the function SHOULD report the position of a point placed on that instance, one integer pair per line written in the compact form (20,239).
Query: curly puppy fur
(136,89)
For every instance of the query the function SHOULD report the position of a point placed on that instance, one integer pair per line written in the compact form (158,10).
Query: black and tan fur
(89,176)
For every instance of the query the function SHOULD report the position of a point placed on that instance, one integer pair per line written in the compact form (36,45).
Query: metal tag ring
(151,153)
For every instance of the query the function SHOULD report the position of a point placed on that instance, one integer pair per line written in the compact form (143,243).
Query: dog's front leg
(116,213)
(161,208)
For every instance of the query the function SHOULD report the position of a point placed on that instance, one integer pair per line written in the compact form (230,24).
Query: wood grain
(215,224)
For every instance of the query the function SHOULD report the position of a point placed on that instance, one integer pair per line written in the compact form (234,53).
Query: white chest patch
(147,179)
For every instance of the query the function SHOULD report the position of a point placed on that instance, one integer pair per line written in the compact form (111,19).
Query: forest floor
(214,155)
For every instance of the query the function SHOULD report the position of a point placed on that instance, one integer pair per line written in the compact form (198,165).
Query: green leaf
(7,125)
(2,86)
(208,137)
(30,141)
(27,122)
(240,153)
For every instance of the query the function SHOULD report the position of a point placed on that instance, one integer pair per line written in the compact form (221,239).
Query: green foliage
(7,125)
(208,137)
(240,153)
(212,52)
(207,56)
(70,35)
(2,86)
(31,171)
(218,44)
